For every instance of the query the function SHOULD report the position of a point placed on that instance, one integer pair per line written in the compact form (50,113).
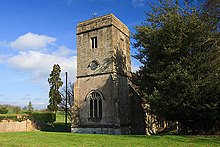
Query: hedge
(15,117)
(37,117)
(3,110)
(44,117)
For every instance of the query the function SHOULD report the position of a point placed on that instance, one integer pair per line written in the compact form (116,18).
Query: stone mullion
(93,105)
(98,107)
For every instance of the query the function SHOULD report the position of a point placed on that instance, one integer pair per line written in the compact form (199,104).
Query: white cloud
(32,41)
(35,62)
(3,43)
(1,58)
(63,51)
(40,64)
(35,58)
(4,57)
(138,3)
(135,67)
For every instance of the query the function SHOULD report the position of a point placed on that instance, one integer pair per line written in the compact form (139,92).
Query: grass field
(39,138)
(54,135)
(60,117)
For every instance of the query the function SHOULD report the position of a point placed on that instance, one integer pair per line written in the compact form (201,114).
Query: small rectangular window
(94,42)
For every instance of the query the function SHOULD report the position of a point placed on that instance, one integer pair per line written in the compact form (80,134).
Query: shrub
(37,117)
(3,110)
(16,109)
(14,117)
(44,117)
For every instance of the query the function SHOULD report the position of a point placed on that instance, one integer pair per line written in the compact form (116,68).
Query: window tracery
(95,100)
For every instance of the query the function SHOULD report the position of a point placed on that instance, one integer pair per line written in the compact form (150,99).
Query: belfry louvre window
(95,101)
(94,42)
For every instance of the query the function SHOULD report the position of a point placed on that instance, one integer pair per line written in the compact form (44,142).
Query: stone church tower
(101,92)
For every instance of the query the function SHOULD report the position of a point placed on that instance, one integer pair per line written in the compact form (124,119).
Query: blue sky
(35,34)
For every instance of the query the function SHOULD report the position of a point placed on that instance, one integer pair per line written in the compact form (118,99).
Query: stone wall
(109,78)
(103,84)
(16,126)
(113,50)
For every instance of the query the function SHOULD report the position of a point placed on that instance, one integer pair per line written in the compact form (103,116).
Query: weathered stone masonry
(101,92)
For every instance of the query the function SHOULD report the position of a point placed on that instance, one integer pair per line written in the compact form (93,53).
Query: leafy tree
(212,7)
(3,110)
(70,99)
(16,109)
(30,107)
(55,84)
(179,50)
(24,108)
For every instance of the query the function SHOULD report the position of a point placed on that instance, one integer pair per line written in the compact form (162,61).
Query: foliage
(55,83)
(24,108)
(14,117)
(70,99)
(16,109)
(30,107)
(212,7)
(8,116)
(179,50)
(37,117)
(60,117)
(10,108)
(44,117)
(43,139)
(3,110)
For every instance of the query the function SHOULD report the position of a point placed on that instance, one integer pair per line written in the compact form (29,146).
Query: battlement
(101,22)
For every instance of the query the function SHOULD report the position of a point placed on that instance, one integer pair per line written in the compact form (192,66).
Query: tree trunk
(182,128)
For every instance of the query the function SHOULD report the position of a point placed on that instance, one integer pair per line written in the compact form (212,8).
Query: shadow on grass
(200,139)
(56,127)
(190,139)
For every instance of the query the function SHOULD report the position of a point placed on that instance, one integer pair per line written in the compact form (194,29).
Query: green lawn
(38,138)
(59,125)
(60,117)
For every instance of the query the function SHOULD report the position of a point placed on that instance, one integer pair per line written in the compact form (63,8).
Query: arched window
(95,100)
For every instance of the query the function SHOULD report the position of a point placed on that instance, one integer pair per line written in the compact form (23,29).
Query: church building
(104,100)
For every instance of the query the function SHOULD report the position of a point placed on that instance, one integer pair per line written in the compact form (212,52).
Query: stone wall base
(112,131)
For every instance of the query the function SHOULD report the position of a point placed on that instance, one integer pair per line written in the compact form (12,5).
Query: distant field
(60,117)
(39,139)
(59,125)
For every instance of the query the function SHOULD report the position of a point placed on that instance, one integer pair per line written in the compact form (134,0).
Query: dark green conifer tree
(179,50)
(55,83)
